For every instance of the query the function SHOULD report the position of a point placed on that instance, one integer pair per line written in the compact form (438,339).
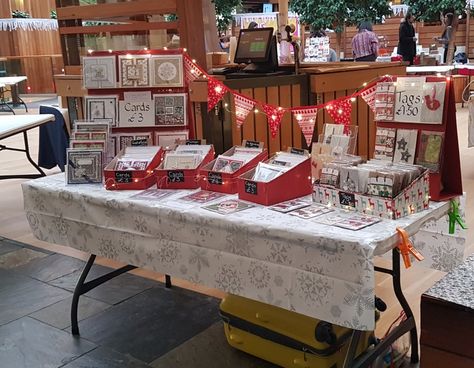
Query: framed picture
(167,71)
(102,109)
(84,166)
(134,71)
(123,140)
(171,138)
(99,72)
(170,109)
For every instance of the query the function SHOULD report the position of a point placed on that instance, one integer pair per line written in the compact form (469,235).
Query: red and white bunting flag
(243,106)
(369,96)
(306,119)
(191,70)
(340,111)
(274,116)
(215,91)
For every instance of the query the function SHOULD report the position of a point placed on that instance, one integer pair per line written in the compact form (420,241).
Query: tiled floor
(128,322)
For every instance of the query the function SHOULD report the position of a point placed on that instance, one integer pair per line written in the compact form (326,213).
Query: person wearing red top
(365,44)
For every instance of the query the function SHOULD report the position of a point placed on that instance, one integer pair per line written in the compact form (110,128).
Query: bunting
(306,118)
(368,95)
(215,92)
(243,106)
(274,116)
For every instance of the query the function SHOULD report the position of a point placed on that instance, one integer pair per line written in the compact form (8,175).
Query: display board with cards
(143,92)
(221,174)
(181,167)
(284,176)
(416,124)
(133,168)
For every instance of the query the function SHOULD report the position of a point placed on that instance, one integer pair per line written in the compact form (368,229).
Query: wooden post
(282,16)
(468,26)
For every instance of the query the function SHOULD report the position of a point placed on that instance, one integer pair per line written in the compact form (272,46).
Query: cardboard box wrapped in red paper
(294,183)
(226,182)
(123,176)
(182,178)
(413,199)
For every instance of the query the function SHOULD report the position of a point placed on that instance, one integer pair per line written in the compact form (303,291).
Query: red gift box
(131,179)
(182,178)
(227,182)
(294,183)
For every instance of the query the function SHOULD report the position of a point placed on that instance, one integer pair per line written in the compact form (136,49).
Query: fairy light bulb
(255,111)
(194,61)
(353,99)
(339,111)
(218,89)
(299,117)
(185,49)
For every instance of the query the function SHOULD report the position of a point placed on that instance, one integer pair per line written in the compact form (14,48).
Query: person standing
(407,39)
(365,44)
(447,35)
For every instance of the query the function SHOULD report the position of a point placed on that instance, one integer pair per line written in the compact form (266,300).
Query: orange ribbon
(406,248)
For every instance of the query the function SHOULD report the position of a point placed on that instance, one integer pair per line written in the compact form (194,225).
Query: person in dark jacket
(447,35)
(407,39)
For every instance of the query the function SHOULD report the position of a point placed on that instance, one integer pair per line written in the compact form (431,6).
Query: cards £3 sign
(136,110)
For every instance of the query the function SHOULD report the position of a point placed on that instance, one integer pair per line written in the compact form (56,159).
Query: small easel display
(416,124)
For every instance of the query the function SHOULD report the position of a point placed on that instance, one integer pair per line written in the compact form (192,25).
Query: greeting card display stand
(227,182)
(182,178)
(131,179)
(294,183)
(447,182)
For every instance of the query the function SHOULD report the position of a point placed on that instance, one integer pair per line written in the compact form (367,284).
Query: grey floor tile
(24,245)
(27,343)
(152,323)
(6,247)
(113,291)
(208,349)
(19,257)
(51,267)
(106,358)
(21,295)
(59,314)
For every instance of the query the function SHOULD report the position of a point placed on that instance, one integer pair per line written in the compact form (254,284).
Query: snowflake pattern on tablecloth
(446,258)
(313,288)
(199,258)
(168,253)
(107,248)
(229,278)
(259,275)
(359,297)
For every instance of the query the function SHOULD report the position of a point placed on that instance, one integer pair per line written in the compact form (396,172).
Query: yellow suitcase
(286,338)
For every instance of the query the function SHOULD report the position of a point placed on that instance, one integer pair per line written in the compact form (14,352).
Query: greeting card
(357,222)
(289,206)
(229,206)
(101,109)
(405,146)
(167,70)
(203,196)
(98,145)
(134,71)
(170,109)
(384,143)
(311,211)
(84,166)
(99,72)
(433,98)
(152,195)
(429,151)
(227,165)
(126,139)
(171,138)
(385,101)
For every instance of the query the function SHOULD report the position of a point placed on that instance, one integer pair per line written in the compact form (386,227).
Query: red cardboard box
(182,178)
(131,179)
(292,184)
(226,182)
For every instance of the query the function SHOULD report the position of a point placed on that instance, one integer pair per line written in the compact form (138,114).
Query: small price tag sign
(347,199)
(123,177)
(139,142)
(176,176)
(193,142)
(251,187)
(297,151)
(214,178)
(252,144)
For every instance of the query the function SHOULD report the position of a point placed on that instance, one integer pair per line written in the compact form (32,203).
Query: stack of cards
(236,159)
(202,196)
(186,157)
(136,158)
(277,165)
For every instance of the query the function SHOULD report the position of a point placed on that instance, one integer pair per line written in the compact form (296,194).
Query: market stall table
(318,270)
(12,83)
(12,125)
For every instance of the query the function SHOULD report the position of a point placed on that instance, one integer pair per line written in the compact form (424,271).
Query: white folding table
(10,84)
(11,125)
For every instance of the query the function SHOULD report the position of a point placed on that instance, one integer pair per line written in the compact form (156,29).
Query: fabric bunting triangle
(369,96)
(191,70)
(243,106)
(274,116)
(215,92)
(306,118)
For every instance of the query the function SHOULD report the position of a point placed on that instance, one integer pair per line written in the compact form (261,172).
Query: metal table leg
(83,287)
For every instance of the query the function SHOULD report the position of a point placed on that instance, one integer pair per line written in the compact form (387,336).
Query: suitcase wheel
(324,333)
(301,363)
(236,339)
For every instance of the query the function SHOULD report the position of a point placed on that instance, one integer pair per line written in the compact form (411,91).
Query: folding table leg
(27,152)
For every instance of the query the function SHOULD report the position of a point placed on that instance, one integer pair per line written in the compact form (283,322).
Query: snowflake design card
(170,109)
(99,72)
(405,146)
(134,71)
(84,166)
(101,109)
(228,207)
(167,70)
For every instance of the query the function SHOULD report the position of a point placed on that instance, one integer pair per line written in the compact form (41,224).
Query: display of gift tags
(385,143)
(384,101)
(277,165)
(186,157)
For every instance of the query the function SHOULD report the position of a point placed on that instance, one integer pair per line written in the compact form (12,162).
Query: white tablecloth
(318,270)
(14,124)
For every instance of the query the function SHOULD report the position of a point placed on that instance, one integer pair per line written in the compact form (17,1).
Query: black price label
(123,177)
(214,178)
(297,151)
(193,142)
(252,144)
(250,187)
(347,199)
(139,142)
(176,176)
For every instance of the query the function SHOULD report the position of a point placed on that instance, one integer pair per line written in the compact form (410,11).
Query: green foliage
(430,10)
(224,9)
(53,14)
(335,13)
(20,14)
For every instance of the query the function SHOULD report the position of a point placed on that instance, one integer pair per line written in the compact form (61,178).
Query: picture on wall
(101,109)
(171,138)
(99,72)
(134,71)
(170,109)
(167,70)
